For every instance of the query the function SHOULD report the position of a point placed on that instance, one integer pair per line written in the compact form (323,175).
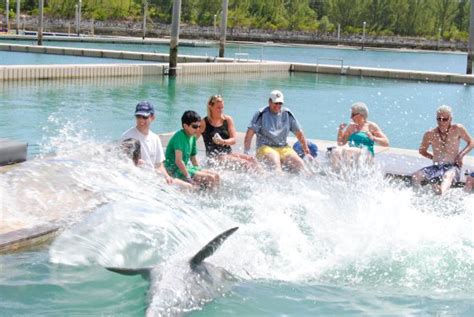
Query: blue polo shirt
(272,129)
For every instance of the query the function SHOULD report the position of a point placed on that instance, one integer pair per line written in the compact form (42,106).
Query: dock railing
(340,60)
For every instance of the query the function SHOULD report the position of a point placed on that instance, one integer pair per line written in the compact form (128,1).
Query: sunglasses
(278,103)
(195,126)
(354,114)
(439,119)
(142,117)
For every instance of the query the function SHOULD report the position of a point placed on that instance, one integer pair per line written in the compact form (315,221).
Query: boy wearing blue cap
(151,149)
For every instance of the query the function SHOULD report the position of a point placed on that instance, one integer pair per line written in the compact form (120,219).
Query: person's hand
(217,139)
(458,160)
(370,135)
(169,179)
(140,162)
(189,180)
(308,157)
(342,126)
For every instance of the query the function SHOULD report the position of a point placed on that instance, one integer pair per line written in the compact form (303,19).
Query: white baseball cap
(277,96)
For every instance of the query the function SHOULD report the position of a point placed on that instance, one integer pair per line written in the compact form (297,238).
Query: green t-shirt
(186,144)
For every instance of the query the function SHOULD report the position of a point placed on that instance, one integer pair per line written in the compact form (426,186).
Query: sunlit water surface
(104,107)
(322,245)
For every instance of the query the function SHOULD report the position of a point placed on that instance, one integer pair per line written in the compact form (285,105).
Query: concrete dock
(188,64)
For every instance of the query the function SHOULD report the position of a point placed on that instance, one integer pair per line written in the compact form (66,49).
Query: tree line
(428,18)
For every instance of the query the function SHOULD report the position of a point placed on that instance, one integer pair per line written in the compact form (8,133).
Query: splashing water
(360,231)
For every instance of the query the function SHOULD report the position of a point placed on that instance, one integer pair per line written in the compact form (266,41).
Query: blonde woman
(218,133)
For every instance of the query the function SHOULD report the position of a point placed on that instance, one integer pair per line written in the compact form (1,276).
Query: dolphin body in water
(178,288)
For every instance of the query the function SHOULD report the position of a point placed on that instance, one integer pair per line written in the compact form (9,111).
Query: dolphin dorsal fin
(211,247)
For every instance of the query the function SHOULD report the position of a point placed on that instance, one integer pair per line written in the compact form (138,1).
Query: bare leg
(294,162)
(240,161)
(207,178)
(273,159)
(469,184)
(336,158)
(182,184)
(343,157)
(418,177)
(446,183)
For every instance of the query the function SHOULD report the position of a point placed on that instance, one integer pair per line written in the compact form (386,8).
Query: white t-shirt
(151,148)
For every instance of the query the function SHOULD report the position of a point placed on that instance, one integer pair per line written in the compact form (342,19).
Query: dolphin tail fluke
(211,247)
(145,272)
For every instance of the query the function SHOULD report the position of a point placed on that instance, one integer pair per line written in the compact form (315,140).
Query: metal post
(363,34)
(174,38)
(7,14)
(40,20)
(439,38)
(215,26)
(17,17)
(76,16)
(338,32)
(145,13)
(470,46)
(232,29)
(79,18)
(223,28)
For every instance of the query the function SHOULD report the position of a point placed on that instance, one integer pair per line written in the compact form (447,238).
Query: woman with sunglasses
(360,135)
(218,132)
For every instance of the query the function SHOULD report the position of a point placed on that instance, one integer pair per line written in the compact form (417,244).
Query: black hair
(132,148)
(189,117)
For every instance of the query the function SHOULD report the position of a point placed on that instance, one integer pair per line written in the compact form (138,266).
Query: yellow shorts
(282,151)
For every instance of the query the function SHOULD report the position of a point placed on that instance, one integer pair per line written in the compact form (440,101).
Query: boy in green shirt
(181,153)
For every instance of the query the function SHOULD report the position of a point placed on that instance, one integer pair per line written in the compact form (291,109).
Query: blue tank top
(361,139)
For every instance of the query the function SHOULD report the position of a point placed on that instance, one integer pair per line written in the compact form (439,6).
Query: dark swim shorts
(435,173)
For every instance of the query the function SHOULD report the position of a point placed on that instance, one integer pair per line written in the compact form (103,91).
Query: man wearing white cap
(272,125)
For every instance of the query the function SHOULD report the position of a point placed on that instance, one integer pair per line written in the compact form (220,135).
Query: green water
(403,109)
(305,247)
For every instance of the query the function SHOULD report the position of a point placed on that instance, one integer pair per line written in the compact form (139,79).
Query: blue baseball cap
(313,149)
(144,108)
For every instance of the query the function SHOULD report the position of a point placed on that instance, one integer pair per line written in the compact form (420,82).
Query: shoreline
(241,35)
